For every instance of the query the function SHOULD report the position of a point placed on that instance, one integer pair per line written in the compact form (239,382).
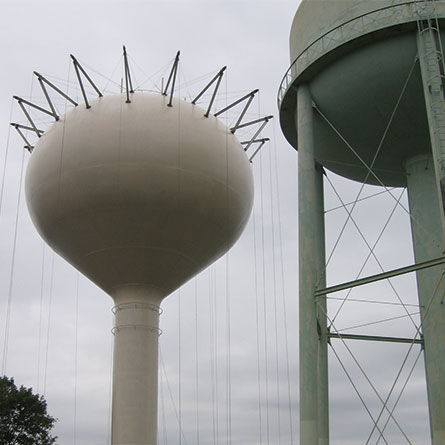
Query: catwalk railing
(378,19)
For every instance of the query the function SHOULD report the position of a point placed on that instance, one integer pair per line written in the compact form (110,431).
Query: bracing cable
(257,324)
(388,397)
(5,159)
(12,270)
(365,198)
(263,248)
(275,302)
(401,393)
(197,362)
(369,168)
(228,309)
(282,276)
(109,79)
(212,350)
(371,251)
(229,352)
(216,352)
(11,276)
(163,421)
(175,409)
(388,303)
(110,390)
(351,381)
(42,277)
(179,370)
(76,350)
(373,323)
(425,314)
(48,327)
(365,375)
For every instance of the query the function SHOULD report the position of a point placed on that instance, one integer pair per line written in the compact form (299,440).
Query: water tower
(138,191)
(364,98)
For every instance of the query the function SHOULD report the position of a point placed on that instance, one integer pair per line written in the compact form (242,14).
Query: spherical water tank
(139,194)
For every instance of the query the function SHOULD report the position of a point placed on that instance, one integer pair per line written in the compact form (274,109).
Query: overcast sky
(241,313)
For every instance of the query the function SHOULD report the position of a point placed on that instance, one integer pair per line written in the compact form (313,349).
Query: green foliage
(23,416)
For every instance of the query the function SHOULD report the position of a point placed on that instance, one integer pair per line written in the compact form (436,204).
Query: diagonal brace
(172,78)
(56,89)
(217,78)
(261,142)
(79,69)
(18,127)
(28,116)
(379,277)
(415,341)
(128,83)
(233,104)
(25,127)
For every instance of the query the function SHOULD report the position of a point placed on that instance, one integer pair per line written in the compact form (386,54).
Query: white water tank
(139,197)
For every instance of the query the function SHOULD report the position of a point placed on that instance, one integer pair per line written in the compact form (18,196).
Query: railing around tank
(347,31)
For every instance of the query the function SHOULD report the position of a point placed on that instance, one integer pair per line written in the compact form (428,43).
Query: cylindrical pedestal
(135,367)
(425,208)
(313,372)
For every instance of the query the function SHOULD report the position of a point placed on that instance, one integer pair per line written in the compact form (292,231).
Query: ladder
(432,66)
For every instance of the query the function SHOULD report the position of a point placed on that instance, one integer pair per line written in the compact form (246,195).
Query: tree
(23,416)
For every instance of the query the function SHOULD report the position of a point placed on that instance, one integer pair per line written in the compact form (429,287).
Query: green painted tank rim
(339,41)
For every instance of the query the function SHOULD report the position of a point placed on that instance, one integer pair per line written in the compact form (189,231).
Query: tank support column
(135,367)
(425,207)
(314,423)
(323,377)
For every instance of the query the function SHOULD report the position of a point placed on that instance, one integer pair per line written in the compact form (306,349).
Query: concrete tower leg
(311,266)
(323,377)
(135,368)
(425,207)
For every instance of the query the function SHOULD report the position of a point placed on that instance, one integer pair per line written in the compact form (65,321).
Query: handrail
(288,78)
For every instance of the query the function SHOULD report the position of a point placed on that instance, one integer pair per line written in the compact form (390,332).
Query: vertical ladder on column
(433,74)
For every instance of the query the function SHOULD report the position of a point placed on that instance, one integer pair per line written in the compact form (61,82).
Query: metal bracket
(255,141)
(217,77)
(79,69)
(25,127)
(18,127)
(415,341)
(249,97)
(43,80)
(28,116)
(172,78)
(264,121)
(128,82)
